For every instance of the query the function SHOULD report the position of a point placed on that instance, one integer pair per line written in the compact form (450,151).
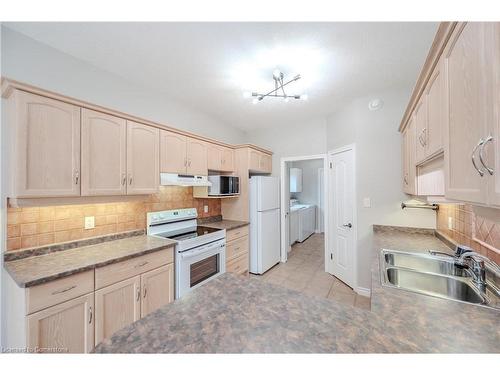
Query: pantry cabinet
(67,327)
(143,172)
(117,306)
(47,146)
(104,154)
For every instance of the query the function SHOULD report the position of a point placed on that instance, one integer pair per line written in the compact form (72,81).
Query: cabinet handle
(185,162)
(77,177)
(481,142)
(141,264)
(63,290)
(124,179)
(145,293)
(481,150)
(424,136)
(90,312)
(138,294)
(130,179)
(405,180)
(189,162)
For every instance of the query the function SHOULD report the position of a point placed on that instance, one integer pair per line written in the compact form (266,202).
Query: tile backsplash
(39,226)
(469,229)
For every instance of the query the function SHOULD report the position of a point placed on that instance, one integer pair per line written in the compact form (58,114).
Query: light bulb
(287,99)
(255,101)
(247,94)
(304,97)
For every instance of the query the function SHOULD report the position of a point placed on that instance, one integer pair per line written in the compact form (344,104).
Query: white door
(269,239)
(342,240)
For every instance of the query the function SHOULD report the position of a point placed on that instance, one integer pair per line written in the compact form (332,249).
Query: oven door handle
(195,252)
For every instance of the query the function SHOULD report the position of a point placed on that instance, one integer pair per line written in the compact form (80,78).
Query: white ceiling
(209,65)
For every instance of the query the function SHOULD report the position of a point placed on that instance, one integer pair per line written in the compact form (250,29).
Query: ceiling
(210,65)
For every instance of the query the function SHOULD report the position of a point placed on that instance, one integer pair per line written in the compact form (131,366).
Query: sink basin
(431,275)
(425,263)
(436,285)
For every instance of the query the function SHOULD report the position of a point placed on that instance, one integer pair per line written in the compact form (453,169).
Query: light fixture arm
(279,84)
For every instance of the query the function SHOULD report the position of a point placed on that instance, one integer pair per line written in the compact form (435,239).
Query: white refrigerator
(264,223)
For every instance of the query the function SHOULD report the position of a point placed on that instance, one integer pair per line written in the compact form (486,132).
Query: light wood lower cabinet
(157,288)
(237,251)
(66,328)
(117,306)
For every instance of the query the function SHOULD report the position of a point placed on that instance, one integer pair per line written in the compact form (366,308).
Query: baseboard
(365,292)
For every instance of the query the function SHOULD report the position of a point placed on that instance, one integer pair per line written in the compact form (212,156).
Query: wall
(470,228)
(299,139)
(32,62)
(38,226)
(378,167)
(310,193)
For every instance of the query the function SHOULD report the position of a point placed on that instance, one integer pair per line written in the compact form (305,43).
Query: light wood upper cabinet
(420,116)
(220,158)
(259,162)
(117,306)
(172,152)
(434,93)
(196,157)
(408,151)
(143,172)
(68,326)
(48,147)
(227,160)
(469,107)
(266,163)
(254,160)
(157,288)
(104,146)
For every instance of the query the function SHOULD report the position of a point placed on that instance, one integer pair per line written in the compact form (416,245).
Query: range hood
(175,179)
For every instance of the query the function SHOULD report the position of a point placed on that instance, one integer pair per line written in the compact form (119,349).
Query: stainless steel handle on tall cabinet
(481,150)
(481,142)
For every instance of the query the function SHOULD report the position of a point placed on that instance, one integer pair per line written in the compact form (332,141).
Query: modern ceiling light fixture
(279,89)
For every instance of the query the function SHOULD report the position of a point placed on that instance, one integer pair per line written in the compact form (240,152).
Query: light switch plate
(89,222)
(367,202)
(205,209)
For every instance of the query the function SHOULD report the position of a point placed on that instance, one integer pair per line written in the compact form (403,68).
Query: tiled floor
(304,271)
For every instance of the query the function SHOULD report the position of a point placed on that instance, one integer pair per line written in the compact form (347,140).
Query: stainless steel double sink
(432,275)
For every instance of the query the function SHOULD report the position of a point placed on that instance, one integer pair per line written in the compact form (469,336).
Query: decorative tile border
(410,230)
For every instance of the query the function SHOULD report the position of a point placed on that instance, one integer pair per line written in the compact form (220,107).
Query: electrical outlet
(367,202)
(89,222)
(205,209)
(450,222)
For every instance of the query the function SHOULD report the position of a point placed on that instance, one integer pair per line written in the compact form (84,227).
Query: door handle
(481,158)
(481,142)
(348,225)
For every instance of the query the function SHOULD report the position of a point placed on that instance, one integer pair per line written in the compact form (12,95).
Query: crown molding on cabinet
(9,85)
(442,35)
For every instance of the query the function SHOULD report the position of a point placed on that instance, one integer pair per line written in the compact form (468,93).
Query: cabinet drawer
(238,265)
(54,292)
(116,272)
(236,247)
(236,233)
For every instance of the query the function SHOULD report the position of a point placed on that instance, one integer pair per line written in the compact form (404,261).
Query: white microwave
(223,185)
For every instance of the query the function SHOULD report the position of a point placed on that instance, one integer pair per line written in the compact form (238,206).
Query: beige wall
(38,226)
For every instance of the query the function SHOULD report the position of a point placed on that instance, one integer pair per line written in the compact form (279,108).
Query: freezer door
(269,239)
(268,193)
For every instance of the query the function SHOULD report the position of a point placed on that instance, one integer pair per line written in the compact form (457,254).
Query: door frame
(329,202)
(284,246)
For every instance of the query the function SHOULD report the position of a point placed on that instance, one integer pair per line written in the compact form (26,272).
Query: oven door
(199,265)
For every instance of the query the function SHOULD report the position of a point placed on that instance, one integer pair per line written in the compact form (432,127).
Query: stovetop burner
(200,231)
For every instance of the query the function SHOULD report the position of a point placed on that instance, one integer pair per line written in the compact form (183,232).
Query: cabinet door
(435,119)
(408,155)
(214,156)
(48,147)
(68,327)
(466,87)
(196,157)
(143,172)
(117,306)
(157,288)
(421,129)
(227,160)
(254,162)
(173,152)
(104,141)
(266,163)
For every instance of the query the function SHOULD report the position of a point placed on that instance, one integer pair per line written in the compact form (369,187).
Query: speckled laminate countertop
(226,224)
(233,314)
(43,268)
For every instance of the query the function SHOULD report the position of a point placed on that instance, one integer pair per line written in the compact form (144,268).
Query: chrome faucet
(476,265)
